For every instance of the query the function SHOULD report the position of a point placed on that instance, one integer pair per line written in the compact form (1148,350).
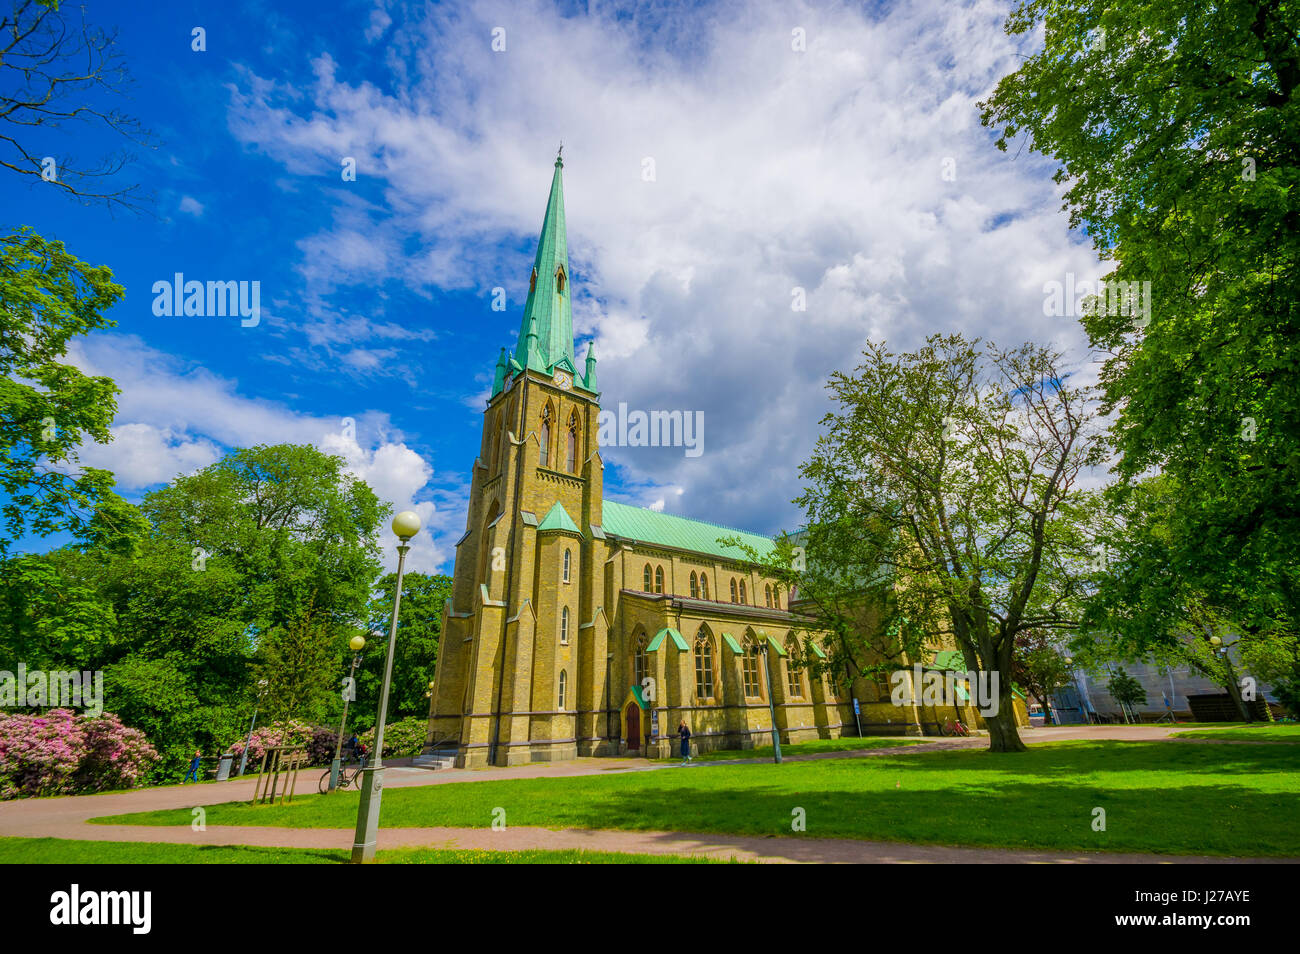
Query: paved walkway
(68,817)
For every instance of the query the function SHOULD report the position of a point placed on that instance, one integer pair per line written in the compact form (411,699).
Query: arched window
(568,558)
(733,590)
(703,666)
(704,586)
(793,680)
(742,592)
(564,688)
(532,282)
(749,667)
(564,626)
(695,586)
(776,597)
(571,451)
(544,438)
(649,580)
(767,593)
(559,280)
(659,579)
(640,663)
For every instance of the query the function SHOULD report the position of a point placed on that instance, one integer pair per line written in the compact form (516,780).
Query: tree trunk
(1003,735)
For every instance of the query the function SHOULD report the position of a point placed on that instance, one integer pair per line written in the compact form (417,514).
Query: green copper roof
(731,641)
(650,526)
(950,659)
(557,518)
(678,640)
(546,332)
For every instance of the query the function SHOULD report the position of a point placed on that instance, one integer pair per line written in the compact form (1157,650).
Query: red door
(633,726)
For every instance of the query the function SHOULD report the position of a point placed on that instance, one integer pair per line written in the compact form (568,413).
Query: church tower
(523,661)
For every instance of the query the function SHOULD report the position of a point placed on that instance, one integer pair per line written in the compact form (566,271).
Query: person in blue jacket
(193,773)
(684,731)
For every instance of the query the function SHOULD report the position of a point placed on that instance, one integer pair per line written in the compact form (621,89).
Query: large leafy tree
(1176,125)
(259,566)
(963,463)
(48,407)
(297,530)
(419,628)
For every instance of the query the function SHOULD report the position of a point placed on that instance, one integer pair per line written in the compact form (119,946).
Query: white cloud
(193,206)
(175,418)
(774,170)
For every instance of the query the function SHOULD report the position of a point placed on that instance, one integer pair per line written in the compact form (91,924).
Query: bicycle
(346,777)
(953,727)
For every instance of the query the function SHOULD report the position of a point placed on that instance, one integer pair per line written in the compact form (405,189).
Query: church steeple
(546,332)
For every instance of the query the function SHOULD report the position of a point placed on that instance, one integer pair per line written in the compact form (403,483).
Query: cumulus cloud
(717,177)
(176,417)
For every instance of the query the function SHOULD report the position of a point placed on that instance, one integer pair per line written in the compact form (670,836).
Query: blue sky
(829,152)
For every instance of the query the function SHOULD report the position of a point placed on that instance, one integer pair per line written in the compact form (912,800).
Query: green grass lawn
(1248,732)
(801,748)
(58,851)
(1158,797)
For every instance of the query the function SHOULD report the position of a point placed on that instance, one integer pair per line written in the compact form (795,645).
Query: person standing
(684,732)
(194,767)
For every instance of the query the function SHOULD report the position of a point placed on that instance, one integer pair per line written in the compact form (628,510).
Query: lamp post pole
(406,525)
(357,643)
(243,758)
(771,705)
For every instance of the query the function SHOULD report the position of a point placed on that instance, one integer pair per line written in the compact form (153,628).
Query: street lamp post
(243,758)
(406,525)
(771,705)
(357,643)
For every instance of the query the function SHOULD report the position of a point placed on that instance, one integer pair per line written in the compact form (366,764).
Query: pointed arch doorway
(635,720)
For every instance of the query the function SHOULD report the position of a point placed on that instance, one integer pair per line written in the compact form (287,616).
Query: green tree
(293,526)
(1127,691)
(1176,125)
(963,463)
(47,406)
(419,629)
(1039,665)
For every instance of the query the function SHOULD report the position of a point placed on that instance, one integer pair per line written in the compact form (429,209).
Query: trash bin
(223,767)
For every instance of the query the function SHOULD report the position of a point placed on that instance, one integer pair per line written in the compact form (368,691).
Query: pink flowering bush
(319,741)
(62,753)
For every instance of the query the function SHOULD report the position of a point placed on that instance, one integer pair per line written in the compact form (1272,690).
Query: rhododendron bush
(320,742)
(62,753)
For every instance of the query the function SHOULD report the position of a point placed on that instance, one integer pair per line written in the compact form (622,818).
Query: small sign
(654,725)
(856,709)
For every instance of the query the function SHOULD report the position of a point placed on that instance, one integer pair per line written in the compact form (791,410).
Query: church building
(579,626)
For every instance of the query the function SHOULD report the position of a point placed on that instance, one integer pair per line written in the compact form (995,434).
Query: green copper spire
(546,332)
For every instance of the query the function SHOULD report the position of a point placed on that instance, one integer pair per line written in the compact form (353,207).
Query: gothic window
(733,590)
(659,579)
(695,586)
(742,592)
(544,438)
(749,668)
(564,626)
(532,282)
(767,593)
(649,580)
(776,597)
(564,687)
(792,670)
(640,664)
(703,666)
(568,558)
(571,453)
(704,586)
(559,280)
